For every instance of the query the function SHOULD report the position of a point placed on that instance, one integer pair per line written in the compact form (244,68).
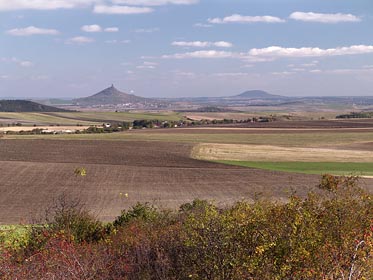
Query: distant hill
(26,106)
(111,96)
(257,94)
(245,99)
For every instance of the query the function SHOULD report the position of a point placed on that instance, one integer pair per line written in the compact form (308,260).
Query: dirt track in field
(33,172)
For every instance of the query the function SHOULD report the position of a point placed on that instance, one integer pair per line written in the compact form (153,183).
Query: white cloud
(97,28)
(251,59)
(349,71)
(91,28)
(278,52)
(145,67)
(12,5)
(233,74)
(4,77)
(203,25)
(146,30)
(155,2)
(117,42)
(147,57)
(223,44)
(303,67)
(218,54)
(311,64)
(185,74)
(200,44)
(297,69)
(101,6)
(19,62)
(236,18)
(121,10)
(344,71)
(284,73)
(25,63)
(202,54)
(39,78)
(150,63)
(315,71)
(324,18)
(111,29)
(79,40)
(32,30)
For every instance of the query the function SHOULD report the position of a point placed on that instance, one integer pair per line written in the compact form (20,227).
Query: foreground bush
(328,237)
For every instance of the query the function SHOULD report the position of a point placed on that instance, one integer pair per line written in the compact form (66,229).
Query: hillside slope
(26,106)
(257,94)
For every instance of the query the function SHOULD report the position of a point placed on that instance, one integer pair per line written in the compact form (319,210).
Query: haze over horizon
(185,48)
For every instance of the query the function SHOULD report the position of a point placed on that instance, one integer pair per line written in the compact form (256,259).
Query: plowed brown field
(33,172)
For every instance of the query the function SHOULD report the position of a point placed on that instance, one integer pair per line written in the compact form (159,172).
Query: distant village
(110,127)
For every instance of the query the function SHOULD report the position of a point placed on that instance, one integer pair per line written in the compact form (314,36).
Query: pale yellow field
(271,153)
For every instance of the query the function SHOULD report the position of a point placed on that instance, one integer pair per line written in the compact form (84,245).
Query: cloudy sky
(174,48)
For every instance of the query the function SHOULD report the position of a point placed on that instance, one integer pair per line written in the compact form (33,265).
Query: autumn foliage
(327,235)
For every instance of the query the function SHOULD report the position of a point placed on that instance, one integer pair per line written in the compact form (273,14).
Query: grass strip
(334,168)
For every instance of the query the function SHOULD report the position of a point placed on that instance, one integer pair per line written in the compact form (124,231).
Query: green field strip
(334,168)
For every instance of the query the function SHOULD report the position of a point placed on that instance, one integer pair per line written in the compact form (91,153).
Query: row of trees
(140,124)
(328,236)
(356,115)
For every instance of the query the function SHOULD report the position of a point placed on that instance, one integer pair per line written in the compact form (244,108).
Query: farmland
(34,172)
(335,168)
(82,118)
(168,167)
(50,128)
(272,172)
(186,140)
(262,153)
(280,137)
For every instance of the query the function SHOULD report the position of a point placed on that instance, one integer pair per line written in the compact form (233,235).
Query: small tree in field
(81,171)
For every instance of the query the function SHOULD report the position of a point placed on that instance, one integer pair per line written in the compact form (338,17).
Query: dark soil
(34,172)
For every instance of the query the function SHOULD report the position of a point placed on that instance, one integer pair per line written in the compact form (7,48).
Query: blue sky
(174,48)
